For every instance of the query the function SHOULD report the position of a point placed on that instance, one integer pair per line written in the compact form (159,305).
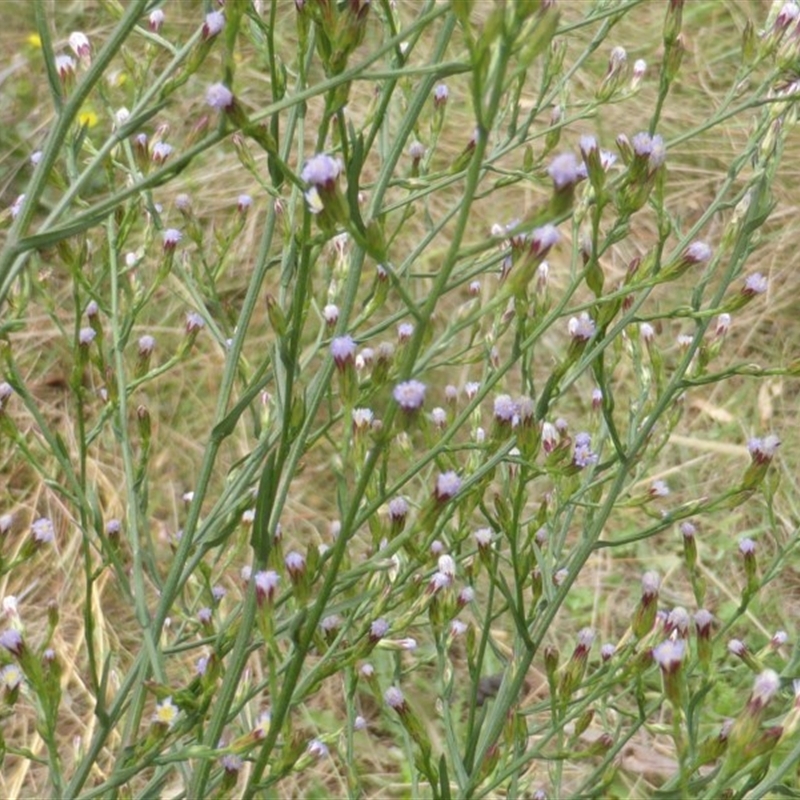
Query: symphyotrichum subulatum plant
(398,399)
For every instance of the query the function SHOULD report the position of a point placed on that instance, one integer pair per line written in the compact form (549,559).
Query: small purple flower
(471,389)
(161,152)
(763,450)
(79,43)
(416,150)
(563,171)
(171,237)
(697,253)
(484,538)
(439,581)
(295,564)
(394,699)
(42,531)
(542,239)
(331,624)
(658,489)
(232,764)
(505,409)
(440,94)
(765,687)
(362,419)
(194,322)
(409,395)
(747,547)
(65,66)
(219,97)
(317,749)
(398,509)
(11,640)
(581,328)
(448,485)
(86,336)
(755,284)
(156,20)
(439,418)
(651,582)
(205,616)
(330,314)
(343,350)
(321,171)
(607,651)
(669,655)
(465,596)
(213,24)
(597,397)
(677,620)
(405,330)
(378,629)
(266,585)
(703,620)
(583,455)
(243,203)
(647,332)
(146,346)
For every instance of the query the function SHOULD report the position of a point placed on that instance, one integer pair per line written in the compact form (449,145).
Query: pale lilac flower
(331,624)
(651,582)
(218,592)
(36,157)
(439,418)
(79,43)
(362,418)
(359,723)
(765,687)
(146,345)
(295,564)
(11,640)
(321,171)
(447,565)
(437,548)
(788,14)
(405,330)
(243,203)
(505,409)
(86,336)
(697,253)
(194,322)
(736,647)
(583,455)
(588,145)
(156,20)
(647,332)
(65,66)
(684,340)
(378,629)
(763,450)
(317,749)
(439,580)
(560,576)
(232,764)
(366,671)
(440,94)
(474,288)
(330,314)
(447,486)
(669,654)
(755,284)
(471,389)
(581,328)
(688,529)
(409,395)
(677,620)
(457,628)
(398,509)
(747,547)
(484,538)
(343,350)
(171,237)
(205,616)
(16,206)
(219,97)
(722,326)
(549,437)
(659,489)
(43,531)
(563,171)
(166,713)
(214,23)
(183,202)
(465,596)
(394,699)
(778,639)
(607,651)
(416,150)
(542,239)
(597,397)
(161,152)
(586,638)
(266,584)
(113,528)
(703,620)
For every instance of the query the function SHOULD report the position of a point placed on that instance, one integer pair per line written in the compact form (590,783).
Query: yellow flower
(33,40)
(87,118)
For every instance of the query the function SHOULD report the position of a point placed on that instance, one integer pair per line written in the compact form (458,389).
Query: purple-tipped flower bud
(213,24)
(343,350)
(156,20)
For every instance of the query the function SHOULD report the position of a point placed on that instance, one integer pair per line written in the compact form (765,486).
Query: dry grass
(707,444)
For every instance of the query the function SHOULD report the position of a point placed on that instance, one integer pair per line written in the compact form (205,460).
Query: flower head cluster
(583,454)
(409,395)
